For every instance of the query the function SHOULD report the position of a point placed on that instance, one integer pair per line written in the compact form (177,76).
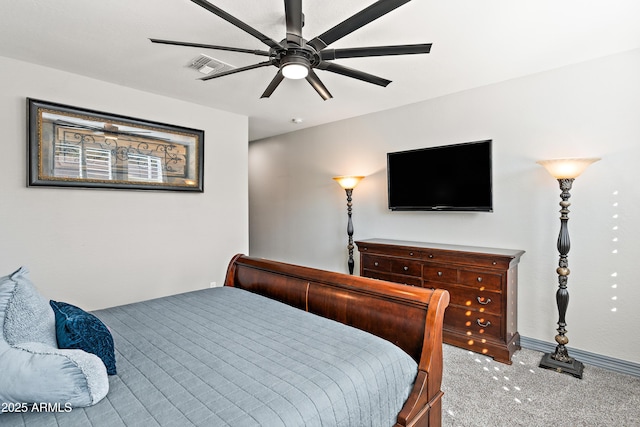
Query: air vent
(208,65)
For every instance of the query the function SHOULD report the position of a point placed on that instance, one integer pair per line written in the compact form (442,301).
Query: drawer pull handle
(484,325)
(410,253)
(439,273)
(405,268)
(375,263)
(483,301)
(430,255)
(479,279)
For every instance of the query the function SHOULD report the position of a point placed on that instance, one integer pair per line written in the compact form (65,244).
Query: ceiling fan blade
(237,70)
(313,79)
(360,19)
(295,20)
(238,23)
(211,46)
(350,72)
(356,52)
(273,85)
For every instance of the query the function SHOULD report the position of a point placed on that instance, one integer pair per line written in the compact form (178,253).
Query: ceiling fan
(296,58)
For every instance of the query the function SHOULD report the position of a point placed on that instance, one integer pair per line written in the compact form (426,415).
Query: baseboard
(588,358)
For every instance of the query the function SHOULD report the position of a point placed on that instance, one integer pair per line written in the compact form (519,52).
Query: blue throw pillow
(77,329)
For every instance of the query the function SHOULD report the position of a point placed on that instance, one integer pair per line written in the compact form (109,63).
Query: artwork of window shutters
(83,154)
(141,167)
(68,160)
(72,147)
(98,163)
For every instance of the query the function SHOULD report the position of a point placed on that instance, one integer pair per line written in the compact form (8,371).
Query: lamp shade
(567,168)
(348,182)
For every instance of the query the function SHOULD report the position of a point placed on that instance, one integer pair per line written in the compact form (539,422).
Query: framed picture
(74,147)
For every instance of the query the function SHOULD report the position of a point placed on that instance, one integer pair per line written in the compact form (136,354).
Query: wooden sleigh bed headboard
(410,317)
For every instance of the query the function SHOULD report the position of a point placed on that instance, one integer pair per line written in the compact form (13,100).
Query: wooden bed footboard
(410,317)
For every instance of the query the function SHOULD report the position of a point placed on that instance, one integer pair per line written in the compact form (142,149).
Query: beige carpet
(484,393)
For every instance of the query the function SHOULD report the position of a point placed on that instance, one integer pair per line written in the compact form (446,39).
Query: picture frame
(81,148)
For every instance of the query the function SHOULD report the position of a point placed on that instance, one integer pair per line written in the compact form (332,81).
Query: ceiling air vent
(208,65)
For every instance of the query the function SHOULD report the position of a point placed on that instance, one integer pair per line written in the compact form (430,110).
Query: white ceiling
(475,43)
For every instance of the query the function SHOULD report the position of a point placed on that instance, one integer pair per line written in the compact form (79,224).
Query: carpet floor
(484,393)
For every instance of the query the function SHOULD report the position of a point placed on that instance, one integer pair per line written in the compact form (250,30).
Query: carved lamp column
(349,183)
(565,171)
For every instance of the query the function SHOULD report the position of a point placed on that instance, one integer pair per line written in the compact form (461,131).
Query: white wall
(298,214)
(99,248)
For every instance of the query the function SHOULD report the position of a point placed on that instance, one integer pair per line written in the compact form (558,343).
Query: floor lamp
(565,171)
(349,183)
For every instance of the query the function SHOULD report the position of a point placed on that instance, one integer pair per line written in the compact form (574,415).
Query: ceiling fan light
(295,71)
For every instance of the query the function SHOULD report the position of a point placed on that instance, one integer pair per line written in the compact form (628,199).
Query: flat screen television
(443,178)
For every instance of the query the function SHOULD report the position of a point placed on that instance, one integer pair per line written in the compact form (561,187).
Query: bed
(278,344)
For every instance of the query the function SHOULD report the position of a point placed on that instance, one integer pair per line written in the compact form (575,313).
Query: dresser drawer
(377,263)
(474,299)
(391,251)
(410,268)
(397,278)
(440,274)
(481,280)
(472,260)
(473,323)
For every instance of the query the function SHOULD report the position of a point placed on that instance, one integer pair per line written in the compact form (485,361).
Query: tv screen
(444,178)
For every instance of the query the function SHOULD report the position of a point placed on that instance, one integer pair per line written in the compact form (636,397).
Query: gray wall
(99,248)
(592,109)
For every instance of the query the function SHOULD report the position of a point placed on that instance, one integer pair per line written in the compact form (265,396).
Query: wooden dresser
(482,283)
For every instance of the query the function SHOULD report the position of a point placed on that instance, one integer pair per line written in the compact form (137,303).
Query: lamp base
(572,367)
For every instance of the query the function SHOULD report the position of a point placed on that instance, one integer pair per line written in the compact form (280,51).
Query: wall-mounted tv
(443,178)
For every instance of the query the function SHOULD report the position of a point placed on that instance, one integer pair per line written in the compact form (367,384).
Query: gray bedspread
(227,357)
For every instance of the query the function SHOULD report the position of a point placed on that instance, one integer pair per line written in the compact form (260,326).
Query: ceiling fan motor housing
(293,54)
